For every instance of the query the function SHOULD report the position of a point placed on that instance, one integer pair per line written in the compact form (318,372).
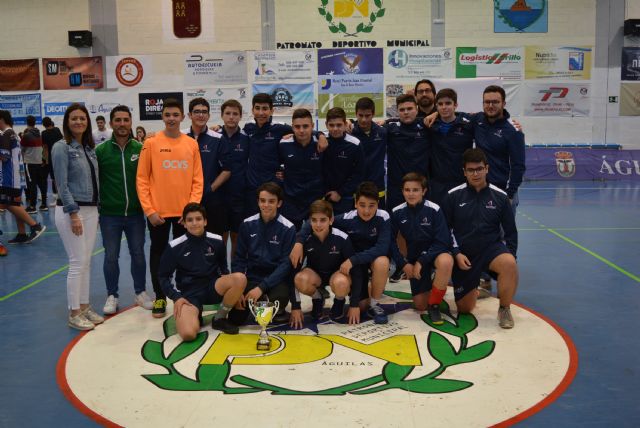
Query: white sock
(374,302)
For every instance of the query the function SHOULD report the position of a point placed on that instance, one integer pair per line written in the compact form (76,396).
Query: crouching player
(199,259)
(422,224)
(477,212)
(325,250)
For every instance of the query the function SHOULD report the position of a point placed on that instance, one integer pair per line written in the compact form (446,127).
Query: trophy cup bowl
(263,311)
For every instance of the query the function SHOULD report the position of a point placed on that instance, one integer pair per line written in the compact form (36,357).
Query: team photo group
(429,197)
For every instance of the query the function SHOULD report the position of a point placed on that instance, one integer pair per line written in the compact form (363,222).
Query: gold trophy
(263,311)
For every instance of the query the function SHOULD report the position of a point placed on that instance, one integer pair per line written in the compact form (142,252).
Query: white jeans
(79,249)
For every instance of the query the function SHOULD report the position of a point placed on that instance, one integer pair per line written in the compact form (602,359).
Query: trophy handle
(277,307)
(250,305)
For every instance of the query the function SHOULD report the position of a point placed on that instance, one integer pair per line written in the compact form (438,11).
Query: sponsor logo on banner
(271,66)
(411,64)
(22,105)
(288,96)
(630,69)
(216,97)
(472,62)
(19,75)
(351,17)
(570,99)
(520,16)
(56,109)
(562,62)
(556,92)
(73,73)
(150,104)
(221,68)
(129,71)
(565,164)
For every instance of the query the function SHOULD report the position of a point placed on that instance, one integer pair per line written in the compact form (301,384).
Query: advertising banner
(97,103)
(558,62)
(557,99)
(408,65)
(72,73)
(19,75)
(270,66)
(216,97)
(582,164)
(288,96)
(21,106)
(347,102)
(215,68)
(129,71)
(150,103)
(630,66)
(505,63)
(630,99)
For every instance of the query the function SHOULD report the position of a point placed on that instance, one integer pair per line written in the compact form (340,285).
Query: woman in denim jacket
(76,170)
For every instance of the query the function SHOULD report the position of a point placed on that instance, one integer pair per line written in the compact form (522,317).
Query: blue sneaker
(337,310)
(378,314)
(317,308)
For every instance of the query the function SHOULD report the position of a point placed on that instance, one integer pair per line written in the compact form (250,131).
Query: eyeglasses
(202,112)
(492,102)
(474,171)
(424,91)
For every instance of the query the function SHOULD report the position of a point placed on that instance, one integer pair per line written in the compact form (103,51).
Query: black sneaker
(36,231)
(224,325)
(317,308)
(20,238)
(435,315)
(31,210)
(396,276)
(337,310)
(378,314)
(44,207)
(324,293)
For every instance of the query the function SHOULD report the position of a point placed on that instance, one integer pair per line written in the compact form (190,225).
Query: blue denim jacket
(73,174)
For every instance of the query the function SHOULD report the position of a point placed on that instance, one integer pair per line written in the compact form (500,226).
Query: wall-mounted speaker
(80,39)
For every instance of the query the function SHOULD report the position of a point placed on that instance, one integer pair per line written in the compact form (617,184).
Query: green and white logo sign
(351,17)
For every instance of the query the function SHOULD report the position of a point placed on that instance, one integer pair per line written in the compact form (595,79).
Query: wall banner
(19,75)
(288,96)
(270,66)
(21,106)
(630,99)
(128,71)
(215,68)
(72,73)
(557,99)
(151,103)
(558,62)
(630,66)
(412,64)
(217,96)
(350,71)
(505,63)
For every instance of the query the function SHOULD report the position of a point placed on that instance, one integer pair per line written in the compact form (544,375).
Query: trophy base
(263,346)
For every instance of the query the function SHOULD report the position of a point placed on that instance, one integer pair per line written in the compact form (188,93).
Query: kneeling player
(423,226)
(476,212)
(325,250)
(199,258)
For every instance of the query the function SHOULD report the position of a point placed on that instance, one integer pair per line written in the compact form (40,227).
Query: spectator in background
(141,134)
(76,170)
(102,134)
(50,136)
(35,159)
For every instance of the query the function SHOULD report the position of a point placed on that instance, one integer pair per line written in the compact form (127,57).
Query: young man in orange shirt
(169,177)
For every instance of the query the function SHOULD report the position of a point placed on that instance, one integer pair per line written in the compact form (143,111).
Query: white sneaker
(80,322)
(111,305)
(92,316)
(54,198)
(144,300)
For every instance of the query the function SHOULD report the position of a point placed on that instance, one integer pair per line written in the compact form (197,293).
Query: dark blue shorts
(424,284)
(465,281)
(204,296)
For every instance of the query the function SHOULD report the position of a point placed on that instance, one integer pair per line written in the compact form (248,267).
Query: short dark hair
(272,188)
(414,176)
(495,88)
(366,103)
(420,82)
(193,207)
(405,98)
(262,98)
(321,207)
(198,101)
(171,103)
(301,113)
(368,189)
(5,115)
(118,108)
(87,137)
(100,117)
(473,156)
(47,122)
(233,104)
(31,120)
(336,113)
(447,93)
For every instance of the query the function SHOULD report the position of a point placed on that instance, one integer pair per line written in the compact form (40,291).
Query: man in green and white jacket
(120,209)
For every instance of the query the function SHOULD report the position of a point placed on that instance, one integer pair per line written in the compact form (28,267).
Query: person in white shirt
(102,134)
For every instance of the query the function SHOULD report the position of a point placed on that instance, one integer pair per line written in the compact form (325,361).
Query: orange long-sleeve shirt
(169,175)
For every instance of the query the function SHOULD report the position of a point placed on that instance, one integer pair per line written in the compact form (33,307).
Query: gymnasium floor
(579,258)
